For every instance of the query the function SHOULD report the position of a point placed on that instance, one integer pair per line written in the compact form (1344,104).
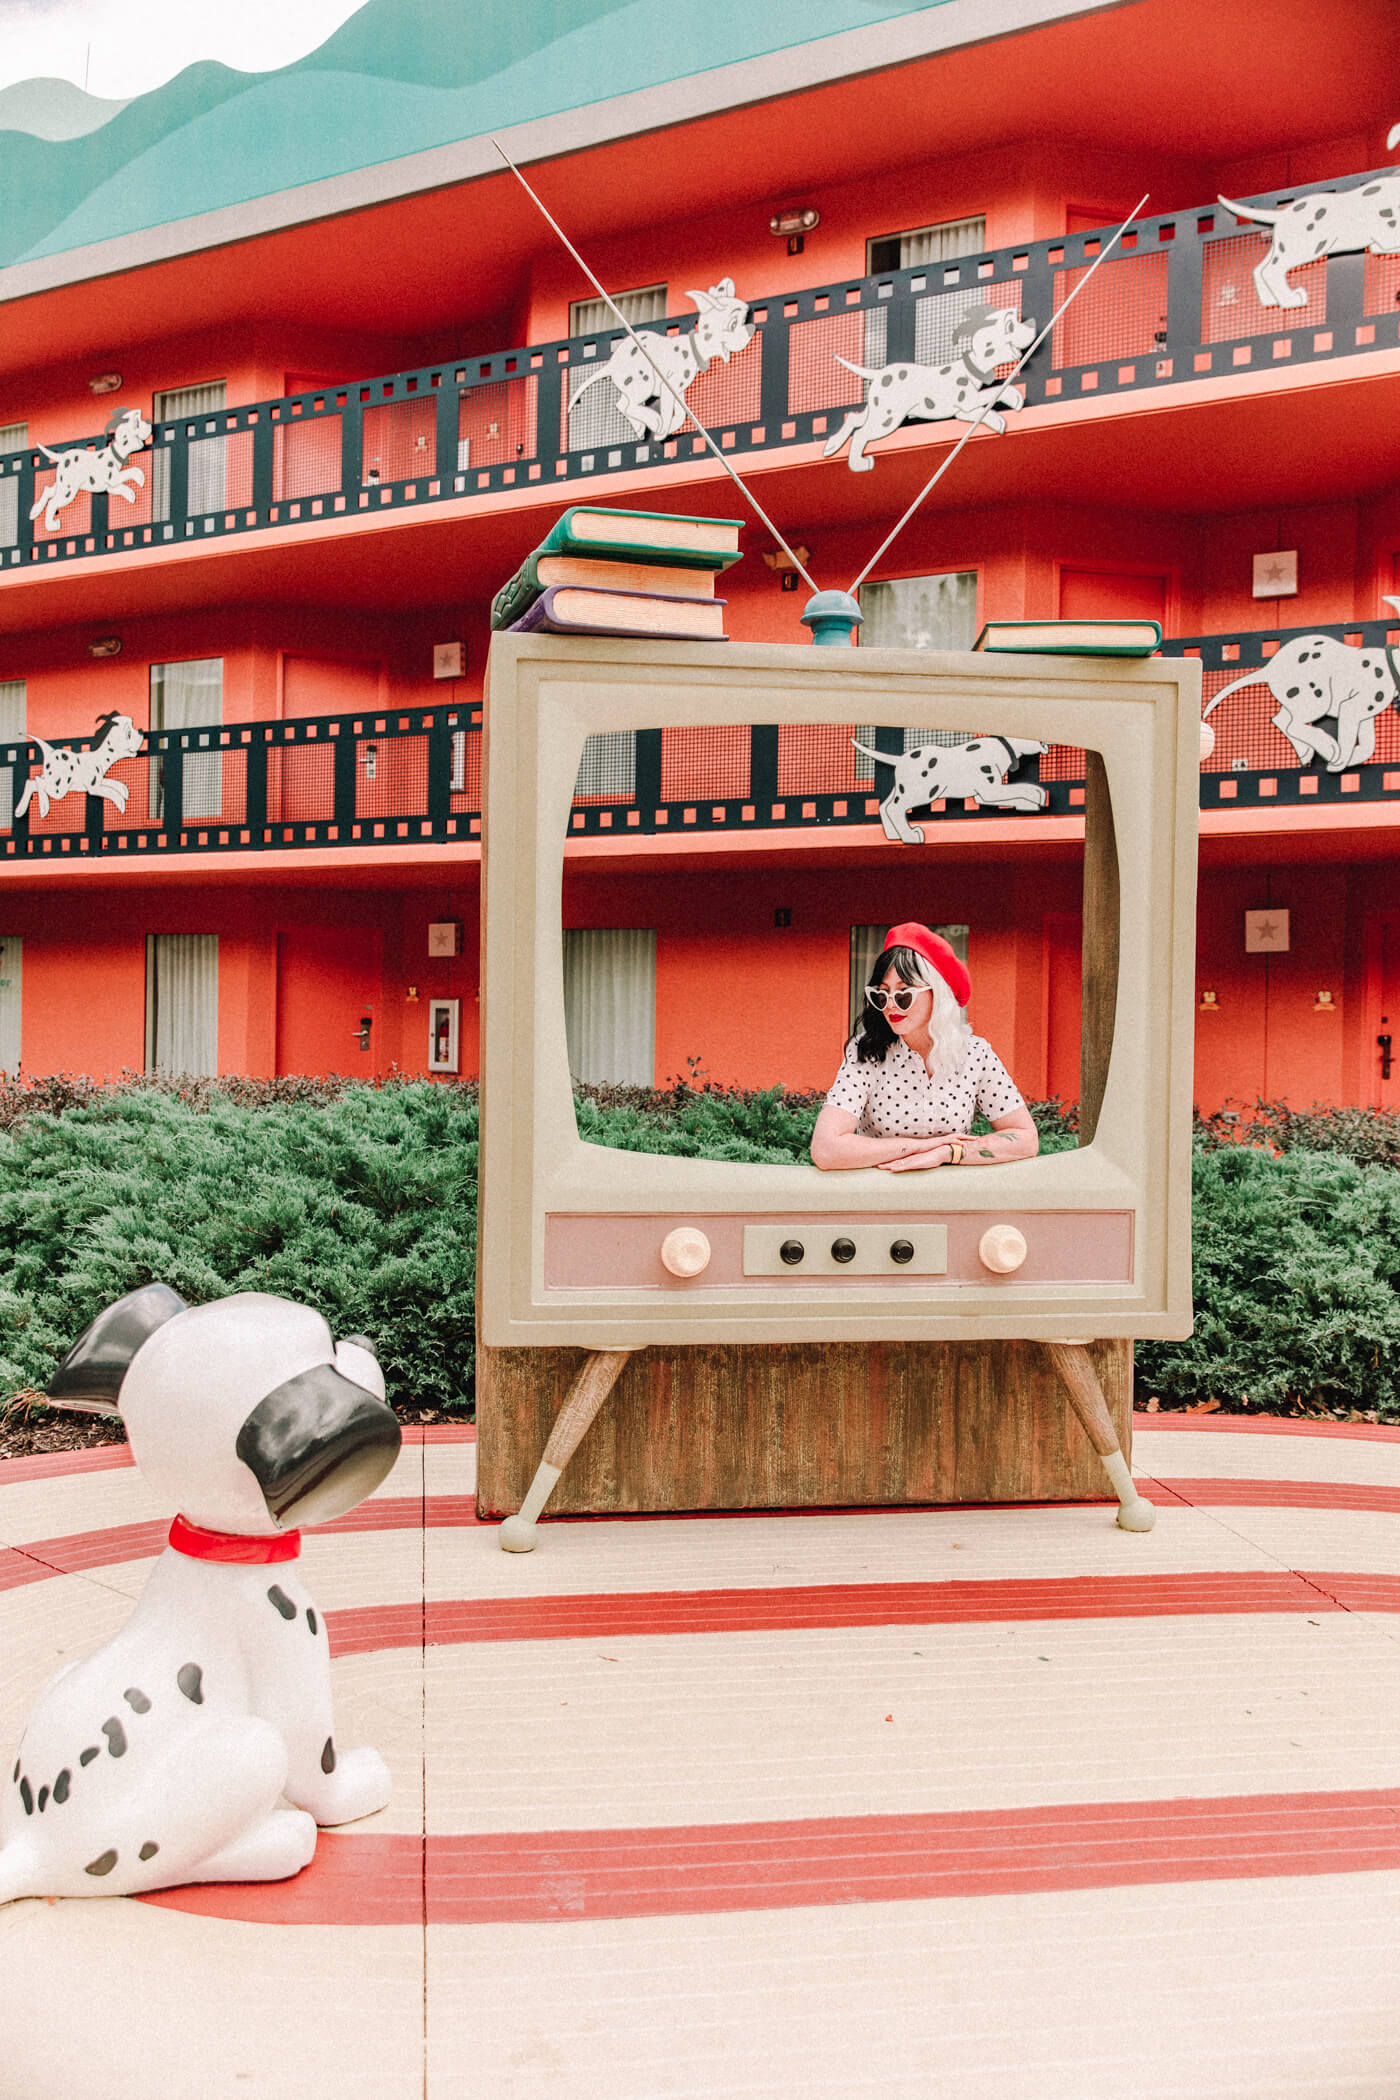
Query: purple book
(573,608)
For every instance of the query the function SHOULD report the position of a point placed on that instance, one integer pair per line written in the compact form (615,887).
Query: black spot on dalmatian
(311,1619)
(116,1737)
(136,1700)
(1292,693)
(148,1850)
(190,1679)
(103,1864)
(1387,211)
(1370,189)
(43,1799)
(88,1755)
(281,1602)
(61,1786)
(26,1795)
(328,1755)
(887,379)
(1321,213)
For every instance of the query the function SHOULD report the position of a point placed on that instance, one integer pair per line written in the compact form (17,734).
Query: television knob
(902,1251)
(685,1251)
(843,1250)
(1002,1248)
(791,1252)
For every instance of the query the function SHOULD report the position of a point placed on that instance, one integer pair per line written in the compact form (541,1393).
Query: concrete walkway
(934,1805)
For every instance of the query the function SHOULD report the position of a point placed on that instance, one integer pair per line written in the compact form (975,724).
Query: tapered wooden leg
(1076,1368)
(596,1378)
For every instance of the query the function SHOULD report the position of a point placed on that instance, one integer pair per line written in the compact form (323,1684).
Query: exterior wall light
(105,645)
(105,383)
(784,223)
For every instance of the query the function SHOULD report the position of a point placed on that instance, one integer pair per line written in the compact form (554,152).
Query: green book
(644,535)
(1071,637)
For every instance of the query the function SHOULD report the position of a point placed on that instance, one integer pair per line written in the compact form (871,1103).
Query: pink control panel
(797,1251)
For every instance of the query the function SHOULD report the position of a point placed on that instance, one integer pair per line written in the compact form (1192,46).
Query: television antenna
(831,615)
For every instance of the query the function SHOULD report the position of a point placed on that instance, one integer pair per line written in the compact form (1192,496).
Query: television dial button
(791,1252)
(843,1250)
(902,1251)
(685,1251)
(1002,1248)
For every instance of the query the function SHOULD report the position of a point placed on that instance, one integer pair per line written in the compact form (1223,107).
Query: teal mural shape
(400,77)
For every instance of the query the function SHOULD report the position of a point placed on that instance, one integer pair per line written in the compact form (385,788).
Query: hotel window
(917,612)
(596,420)
(610,1005)
(867,942)
(12,731)
(189,696)
(14,437)
(607,771)
(925,244)
(205,486)
(10,961)
(182,1003)
(938,312)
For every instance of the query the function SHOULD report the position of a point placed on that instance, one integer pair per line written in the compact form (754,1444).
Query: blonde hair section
(948,1027)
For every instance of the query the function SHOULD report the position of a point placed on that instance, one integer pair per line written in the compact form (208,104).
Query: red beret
(934,949)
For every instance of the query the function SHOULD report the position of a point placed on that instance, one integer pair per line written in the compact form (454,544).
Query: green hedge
(362,1200)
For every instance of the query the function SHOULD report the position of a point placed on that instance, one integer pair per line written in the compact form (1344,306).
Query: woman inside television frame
(914,1076)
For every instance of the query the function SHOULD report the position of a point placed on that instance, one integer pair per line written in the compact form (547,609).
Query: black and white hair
(949,1031)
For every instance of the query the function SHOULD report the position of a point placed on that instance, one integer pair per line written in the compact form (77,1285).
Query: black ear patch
(317,1445)
(91,1373)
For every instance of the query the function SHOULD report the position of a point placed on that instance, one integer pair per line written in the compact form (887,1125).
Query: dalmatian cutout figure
(1326,222)
(967,388)
(973,771)
(1315,679)
(723,329)
(67,771)
(104,473)
(169,1756)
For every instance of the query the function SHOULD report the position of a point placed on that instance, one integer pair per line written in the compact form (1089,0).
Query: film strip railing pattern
(394,777)
(402,776)
(1175,303)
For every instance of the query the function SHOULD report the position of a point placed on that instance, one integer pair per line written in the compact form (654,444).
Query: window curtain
(189,696)
(14,437)
(12,731)
(11,955)
(204,490)
(866,944)
(610,1005)
(596,420)
(937,314)
(607,771)
(917,612)
(182,1003)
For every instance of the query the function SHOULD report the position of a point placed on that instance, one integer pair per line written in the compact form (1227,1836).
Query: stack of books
(624,572)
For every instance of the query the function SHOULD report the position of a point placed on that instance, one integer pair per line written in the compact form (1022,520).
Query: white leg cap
(1134,1512)
(518,1535)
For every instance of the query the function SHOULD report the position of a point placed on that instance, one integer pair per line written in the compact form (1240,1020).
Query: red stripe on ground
(569,1876)
(1269,1425)
(613,1615)
(1275,1494)
(51,1465)
(75,1552)
(439,1432)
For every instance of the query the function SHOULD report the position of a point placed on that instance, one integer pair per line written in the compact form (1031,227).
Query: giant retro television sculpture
(655,1284)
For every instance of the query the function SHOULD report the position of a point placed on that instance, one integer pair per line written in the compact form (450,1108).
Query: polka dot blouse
(897,1098)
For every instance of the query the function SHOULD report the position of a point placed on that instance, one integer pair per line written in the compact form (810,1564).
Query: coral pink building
(356,345)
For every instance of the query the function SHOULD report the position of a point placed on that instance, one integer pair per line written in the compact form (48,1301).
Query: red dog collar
(198,1544)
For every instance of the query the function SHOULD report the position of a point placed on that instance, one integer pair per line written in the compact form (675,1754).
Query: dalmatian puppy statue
(973,771)
(966,388)
(171,1754)
(108,472)
(642,398)
(1315,679)
(1325,222)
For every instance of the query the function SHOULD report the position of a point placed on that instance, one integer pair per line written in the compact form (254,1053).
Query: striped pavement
(942,1803)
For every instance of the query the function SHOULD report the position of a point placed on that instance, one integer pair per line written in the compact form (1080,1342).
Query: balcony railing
(406,776)
(1176,303)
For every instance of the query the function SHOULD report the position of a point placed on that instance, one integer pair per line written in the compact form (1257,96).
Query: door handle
(1383,1045)
(366,1022)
